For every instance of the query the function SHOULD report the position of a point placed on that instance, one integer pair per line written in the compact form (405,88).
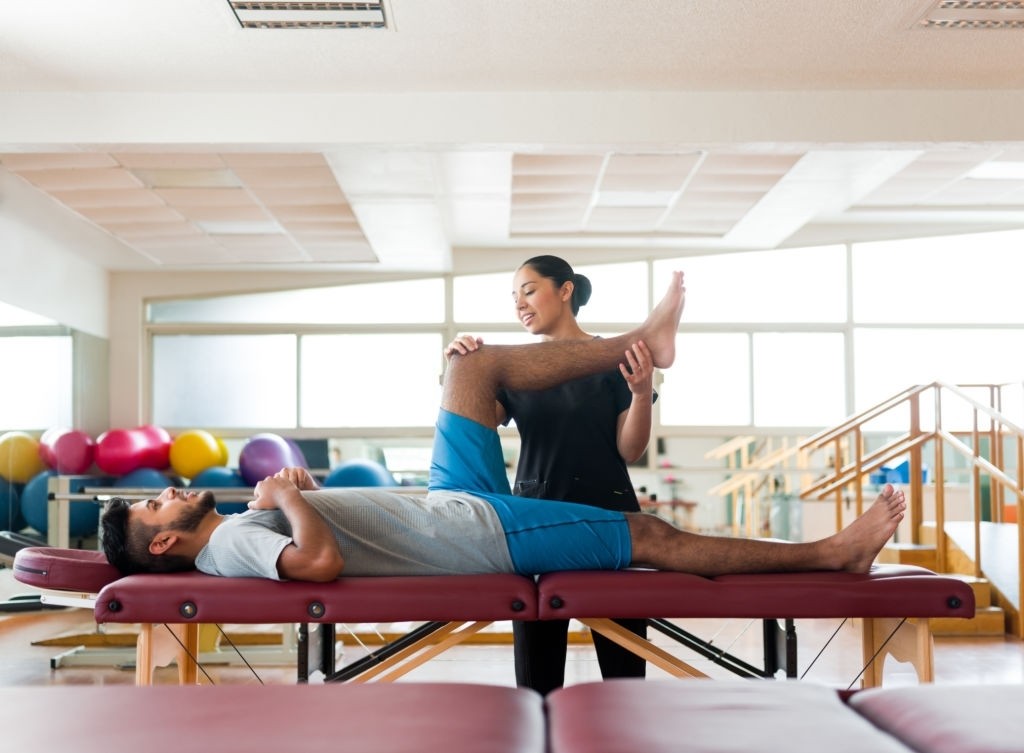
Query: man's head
(158,535)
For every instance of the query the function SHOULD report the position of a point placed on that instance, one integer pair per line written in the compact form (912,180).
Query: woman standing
(576,442)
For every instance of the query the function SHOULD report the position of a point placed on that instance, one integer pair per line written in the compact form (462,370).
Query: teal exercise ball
(218,476)
(145,478)
(83,515)
(360,472)
(10,512)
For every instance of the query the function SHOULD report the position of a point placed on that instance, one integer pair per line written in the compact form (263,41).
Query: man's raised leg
(473,380)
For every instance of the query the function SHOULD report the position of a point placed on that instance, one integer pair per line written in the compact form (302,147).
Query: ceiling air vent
(974,14)
(309,15)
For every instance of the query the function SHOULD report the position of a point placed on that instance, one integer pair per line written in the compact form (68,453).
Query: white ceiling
(470,133)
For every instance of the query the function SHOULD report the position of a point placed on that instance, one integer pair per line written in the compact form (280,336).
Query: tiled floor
(957,660)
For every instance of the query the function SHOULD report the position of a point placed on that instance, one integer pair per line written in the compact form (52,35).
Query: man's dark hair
(127,547)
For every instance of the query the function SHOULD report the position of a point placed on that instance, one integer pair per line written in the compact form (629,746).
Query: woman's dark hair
(559,271)
(127,547)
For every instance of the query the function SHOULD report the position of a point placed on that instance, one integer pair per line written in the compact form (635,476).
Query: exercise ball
(156,447)
(46,441)
(359,472)
(144,478)
(83,516)
(193,451)
(72,451)
(298,456)
(223,451)
(264,455)
(119,451)
(19,457)
(10,511)
(218,476)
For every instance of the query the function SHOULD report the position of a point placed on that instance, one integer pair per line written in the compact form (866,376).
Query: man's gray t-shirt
(379,533)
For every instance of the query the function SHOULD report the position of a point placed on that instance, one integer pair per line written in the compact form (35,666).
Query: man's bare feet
(659,329)
(859,543)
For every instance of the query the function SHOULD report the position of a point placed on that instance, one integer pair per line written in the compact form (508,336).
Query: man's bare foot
(659,330)
(859,543)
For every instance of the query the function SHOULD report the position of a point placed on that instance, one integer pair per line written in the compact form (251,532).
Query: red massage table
(659,716)
(654,716)
(893,600)
(394,718)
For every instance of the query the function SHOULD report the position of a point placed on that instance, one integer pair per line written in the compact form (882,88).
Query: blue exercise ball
(360,472)
(10,512)
(218,476)
(83,516)
(144,478)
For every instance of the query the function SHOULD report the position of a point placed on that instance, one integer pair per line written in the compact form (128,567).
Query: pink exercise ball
(46,445)
(73,452)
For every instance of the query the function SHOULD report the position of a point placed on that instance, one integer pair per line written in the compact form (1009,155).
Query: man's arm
(313,554)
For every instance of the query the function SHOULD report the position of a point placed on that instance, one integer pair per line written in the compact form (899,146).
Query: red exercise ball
(156,452)
(119,451)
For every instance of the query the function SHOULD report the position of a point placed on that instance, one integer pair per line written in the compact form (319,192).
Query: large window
(354,377)
(769,339)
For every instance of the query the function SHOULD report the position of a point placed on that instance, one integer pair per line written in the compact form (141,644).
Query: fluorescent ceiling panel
(309,15)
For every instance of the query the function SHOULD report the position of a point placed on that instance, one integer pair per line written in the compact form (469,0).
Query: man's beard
(188,520)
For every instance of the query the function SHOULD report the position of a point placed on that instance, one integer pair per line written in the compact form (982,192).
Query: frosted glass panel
(788,285)
(483,298)
(224,381)
(888,361)
(619,293)
(35,383)
(709,384)
(371,380)
(958,279)
(798,379)
(384,302)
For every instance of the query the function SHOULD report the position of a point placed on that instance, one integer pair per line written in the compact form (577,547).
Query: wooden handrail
(818,440)
(728,448)
(849,463)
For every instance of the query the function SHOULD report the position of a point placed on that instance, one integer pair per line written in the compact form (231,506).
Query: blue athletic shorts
(543,536)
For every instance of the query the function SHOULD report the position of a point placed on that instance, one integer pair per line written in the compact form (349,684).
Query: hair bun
(581,289)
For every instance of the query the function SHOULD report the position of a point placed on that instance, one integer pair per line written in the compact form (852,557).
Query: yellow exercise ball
(223,451)
(193,451)
(20,460)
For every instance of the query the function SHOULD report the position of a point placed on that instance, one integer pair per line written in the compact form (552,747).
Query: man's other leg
(656,543)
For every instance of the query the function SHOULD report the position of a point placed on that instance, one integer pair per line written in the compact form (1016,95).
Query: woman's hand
(462,345)
(640,372)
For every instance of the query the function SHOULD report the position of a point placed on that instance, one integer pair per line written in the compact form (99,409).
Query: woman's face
(539,304)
